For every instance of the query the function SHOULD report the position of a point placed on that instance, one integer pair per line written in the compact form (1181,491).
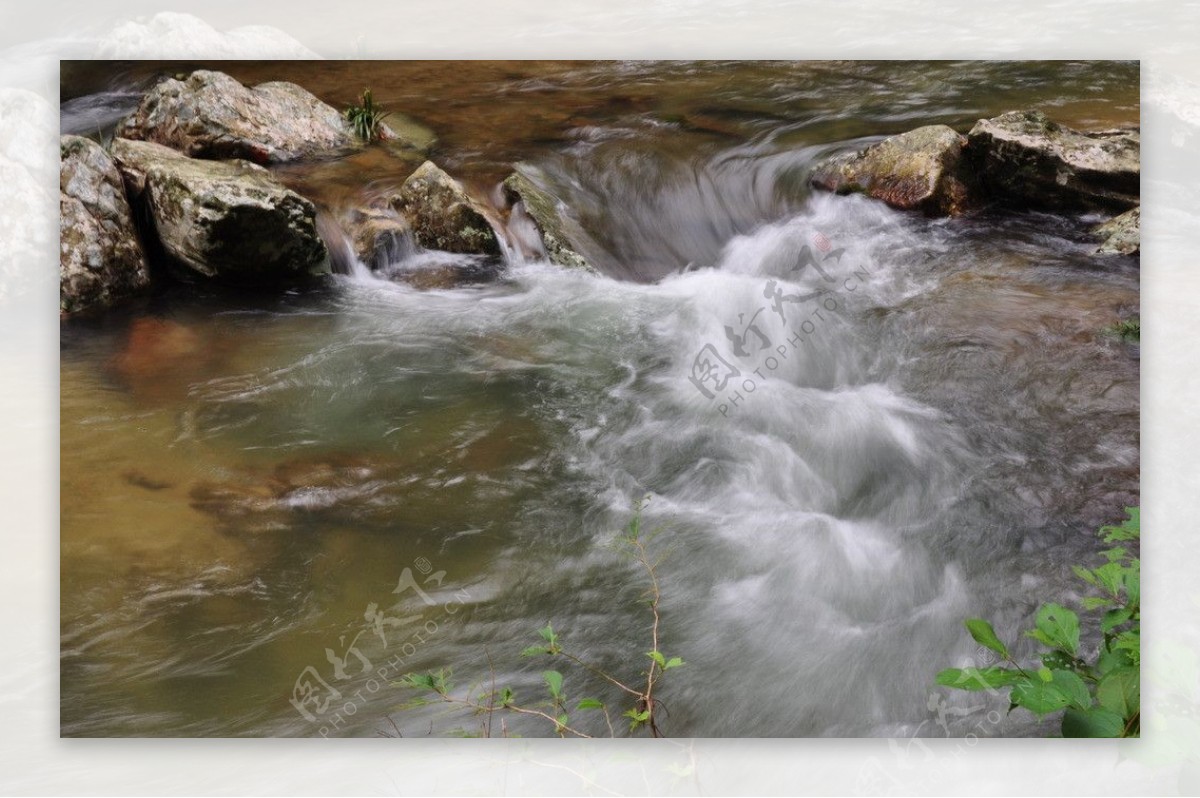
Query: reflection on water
(248,482)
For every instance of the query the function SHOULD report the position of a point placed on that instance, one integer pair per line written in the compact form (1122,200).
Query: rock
(1122,234)
(454,271)
(230,221)
(1024,157)
(340,485)
(923,169)
(555,226)
(378,236)
(211,115)
(101,259)
(443,216)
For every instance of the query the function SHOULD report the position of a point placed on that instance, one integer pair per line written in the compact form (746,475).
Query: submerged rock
(1023,156)
(230,221)
(923,169)
(211,115)
(555,226)
(1122,234)
(258,502)
(101,260)
(443,216)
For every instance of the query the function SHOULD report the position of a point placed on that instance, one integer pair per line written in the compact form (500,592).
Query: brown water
(244,477)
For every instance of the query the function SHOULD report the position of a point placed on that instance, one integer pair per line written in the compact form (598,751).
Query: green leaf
(636,718)
(1057,627)
(1111,659)
(506,697)
(657,657)
(554,680)
(419,681)
(978,679)
(590,703)
(1096,602)
(1131,529)
(1073,687)
(534,651)
(1133,584)
(1131,642)
(1114,555)
(673,662)
(1111,577)
(1119,691)
(1092,723)
(1085,574)
(1114,618)
(985,636)
(1045,674)
(1039,697)
(547,634)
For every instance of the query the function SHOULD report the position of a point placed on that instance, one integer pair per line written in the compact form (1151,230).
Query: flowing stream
(928,425)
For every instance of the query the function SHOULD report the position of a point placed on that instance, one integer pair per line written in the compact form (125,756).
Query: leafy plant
(1100,695)
(642,707)
(366,118)
(1129,330)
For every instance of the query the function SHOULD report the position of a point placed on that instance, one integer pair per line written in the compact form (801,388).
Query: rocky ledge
(1019,159)
(211,115)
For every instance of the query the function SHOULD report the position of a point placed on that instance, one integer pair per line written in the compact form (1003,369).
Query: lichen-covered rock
(101,259)
(1022,156)
(923,169)
(230,221)
(211,115)
(556,228)
(443,216)
(1122,235)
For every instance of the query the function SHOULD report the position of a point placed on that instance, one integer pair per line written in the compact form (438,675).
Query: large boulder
(230,221)
(1122,235)
(211,115)
(923,170)
(556,228)
(443,216)
(1023,157)
(101,258)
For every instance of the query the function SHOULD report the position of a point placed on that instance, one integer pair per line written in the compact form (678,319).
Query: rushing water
(245,480)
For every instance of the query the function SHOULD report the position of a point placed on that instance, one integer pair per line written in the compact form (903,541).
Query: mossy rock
(557,229)
(443,215)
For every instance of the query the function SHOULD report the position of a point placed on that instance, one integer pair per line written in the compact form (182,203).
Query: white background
(35,35)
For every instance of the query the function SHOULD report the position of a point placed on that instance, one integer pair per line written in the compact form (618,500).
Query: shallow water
(934,437)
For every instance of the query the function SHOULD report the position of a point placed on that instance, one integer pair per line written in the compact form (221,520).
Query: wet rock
(923,169)
(1023,157)
(378,236)
(433,275)
(229,221)
(443,216)
(555,226)
(101,260)
(211,115)
(1122,235)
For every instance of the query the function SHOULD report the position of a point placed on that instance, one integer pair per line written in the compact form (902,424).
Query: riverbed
(379,475)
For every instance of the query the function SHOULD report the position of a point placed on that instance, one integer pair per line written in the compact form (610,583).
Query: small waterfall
(343,258)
